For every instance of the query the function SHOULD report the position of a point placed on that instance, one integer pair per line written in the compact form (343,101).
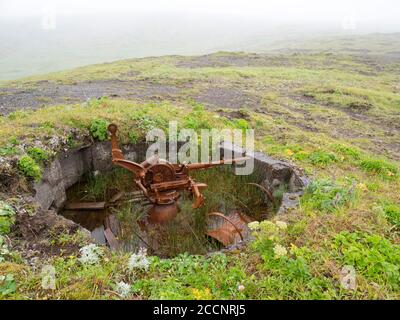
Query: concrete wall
(70,167)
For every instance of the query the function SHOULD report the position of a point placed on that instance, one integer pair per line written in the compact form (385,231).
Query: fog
(42,36)
(281,10)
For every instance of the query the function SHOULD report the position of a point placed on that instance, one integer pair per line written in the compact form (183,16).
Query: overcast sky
(38,36)
(385,11)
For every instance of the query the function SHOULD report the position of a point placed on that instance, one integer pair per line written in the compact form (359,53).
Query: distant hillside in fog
(27,49)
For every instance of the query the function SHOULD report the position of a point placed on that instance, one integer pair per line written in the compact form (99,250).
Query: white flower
(279,251)
(139,260)
(254,225)
(267,225)
(48,275)
(3,249)
(281,225)
(90,254)
(123,289)
(241,287)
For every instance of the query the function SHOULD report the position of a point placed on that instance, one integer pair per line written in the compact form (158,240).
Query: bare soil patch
(228,97)
(49,93)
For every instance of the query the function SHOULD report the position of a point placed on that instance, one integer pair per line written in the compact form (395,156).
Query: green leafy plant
(145,122)
(241,124)
(197,119)
(98,129)
(64,238)
(38,154)
(372,255)
(133,137)
(268,237)
(7,217)
(71,141)
(327,195)
(288,268)
(7,284)
(29,167)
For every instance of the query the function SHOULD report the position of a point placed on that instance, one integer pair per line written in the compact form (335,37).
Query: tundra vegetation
(335,114)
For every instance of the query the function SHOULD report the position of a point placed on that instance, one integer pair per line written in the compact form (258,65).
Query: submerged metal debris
(158,187)
(228,229)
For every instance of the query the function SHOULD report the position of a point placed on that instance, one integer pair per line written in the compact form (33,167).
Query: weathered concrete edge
(273,169)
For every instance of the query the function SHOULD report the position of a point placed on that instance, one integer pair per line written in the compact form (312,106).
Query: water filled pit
(120,219)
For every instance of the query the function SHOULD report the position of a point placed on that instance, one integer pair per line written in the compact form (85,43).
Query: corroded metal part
(118,157)
(160,180)
(227,229)
(101,205)
(267,192)
(85,205)
(162,213)
(111,239)
(116,197)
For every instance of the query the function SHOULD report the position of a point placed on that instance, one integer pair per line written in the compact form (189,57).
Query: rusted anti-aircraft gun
(160,181)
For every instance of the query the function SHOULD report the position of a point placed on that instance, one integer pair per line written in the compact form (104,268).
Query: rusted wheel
(225,233)
(158,173)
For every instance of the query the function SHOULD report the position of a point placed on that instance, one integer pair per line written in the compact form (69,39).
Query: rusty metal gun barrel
(199,166)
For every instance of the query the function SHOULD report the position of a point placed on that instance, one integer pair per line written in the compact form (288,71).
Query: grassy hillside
(369,44)
(335,115)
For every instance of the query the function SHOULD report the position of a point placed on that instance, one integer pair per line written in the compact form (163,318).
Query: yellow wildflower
(289,152)
(362,186)
(201,294)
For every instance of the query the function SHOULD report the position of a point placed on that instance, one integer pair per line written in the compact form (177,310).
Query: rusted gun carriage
(160,184)
(161,181)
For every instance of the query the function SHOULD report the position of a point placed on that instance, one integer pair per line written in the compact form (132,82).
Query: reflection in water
(122,224)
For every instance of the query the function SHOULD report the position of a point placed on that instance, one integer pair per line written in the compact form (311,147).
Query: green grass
(379,166)
(392,212)
(350,153)
(334,115)
(321,158)
(8,150)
